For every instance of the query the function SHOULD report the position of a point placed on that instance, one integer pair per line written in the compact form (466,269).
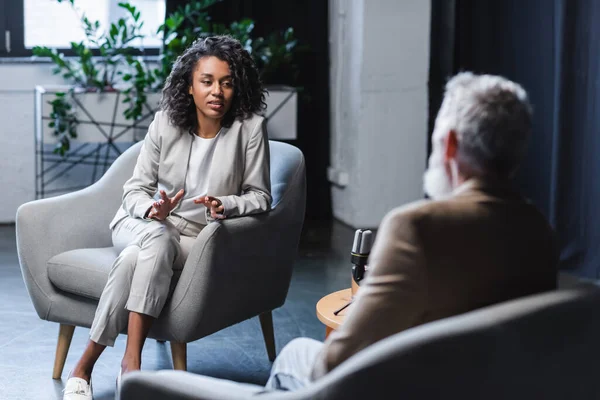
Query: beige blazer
(435,259)
(239,173)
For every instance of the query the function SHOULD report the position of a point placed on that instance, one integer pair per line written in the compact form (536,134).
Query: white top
(196,180)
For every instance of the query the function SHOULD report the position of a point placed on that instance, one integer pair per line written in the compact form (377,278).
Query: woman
(205,157)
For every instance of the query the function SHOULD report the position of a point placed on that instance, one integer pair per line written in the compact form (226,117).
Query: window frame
(12,19)
(13,13)
(2,26)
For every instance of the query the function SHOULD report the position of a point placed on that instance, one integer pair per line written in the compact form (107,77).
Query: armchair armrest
(80,219)
(237,269)
(179,385)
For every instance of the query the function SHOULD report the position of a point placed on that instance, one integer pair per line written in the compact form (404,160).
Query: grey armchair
(245,264)
(539,347)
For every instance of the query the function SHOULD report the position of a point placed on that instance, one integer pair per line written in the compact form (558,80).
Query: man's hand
(160,209)
(214,204)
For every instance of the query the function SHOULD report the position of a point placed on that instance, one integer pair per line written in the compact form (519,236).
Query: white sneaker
(78,389)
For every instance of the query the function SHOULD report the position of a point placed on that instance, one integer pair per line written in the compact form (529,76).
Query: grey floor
(27,344)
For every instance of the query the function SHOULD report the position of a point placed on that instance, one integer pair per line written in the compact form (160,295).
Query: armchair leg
(179,352)
(266,324)
(65,334)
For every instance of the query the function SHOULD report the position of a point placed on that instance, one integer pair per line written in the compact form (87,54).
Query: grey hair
(491,116)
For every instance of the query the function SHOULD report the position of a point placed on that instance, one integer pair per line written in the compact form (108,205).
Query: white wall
(379,70)
(17,157)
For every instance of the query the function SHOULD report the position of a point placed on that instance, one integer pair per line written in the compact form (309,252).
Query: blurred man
(476,243)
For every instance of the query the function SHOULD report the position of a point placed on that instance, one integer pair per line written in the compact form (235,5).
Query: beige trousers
(141,277)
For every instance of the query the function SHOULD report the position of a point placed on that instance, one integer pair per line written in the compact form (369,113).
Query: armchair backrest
(287,172)
(542,346)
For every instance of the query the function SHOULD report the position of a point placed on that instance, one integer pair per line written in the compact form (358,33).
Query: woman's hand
(214,204)
(160,209)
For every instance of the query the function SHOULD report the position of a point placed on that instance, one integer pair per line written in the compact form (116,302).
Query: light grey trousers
(141,277)
(293,366)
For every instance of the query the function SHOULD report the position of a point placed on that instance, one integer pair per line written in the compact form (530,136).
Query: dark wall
(310,21)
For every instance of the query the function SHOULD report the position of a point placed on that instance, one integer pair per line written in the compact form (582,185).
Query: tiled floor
(27,344)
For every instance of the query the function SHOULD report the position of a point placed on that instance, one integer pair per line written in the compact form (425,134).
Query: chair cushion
(82,271)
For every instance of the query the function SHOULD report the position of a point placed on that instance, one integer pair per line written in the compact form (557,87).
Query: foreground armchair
(539,347)
(238,268)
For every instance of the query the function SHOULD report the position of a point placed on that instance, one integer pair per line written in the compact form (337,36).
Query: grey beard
(436,182)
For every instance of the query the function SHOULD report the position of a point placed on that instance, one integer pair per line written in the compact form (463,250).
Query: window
(28,23)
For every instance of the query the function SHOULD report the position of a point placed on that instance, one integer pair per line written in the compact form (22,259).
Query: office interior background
(370,80)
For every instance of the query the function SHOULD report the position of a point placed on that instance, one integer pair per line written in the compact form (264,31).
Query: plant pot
(103,133)
(282,112)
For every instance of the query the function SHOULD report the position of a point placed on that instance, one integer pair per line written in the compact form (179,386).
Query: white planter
(281,112)
(100,115)
(103,134)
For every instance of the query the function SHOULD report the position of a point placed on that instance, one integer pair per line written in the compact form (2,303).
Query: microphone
(363,240)
(361,248)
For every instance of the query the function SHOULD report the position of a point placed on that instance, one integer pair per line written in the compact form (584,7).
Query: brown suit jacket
(434,259)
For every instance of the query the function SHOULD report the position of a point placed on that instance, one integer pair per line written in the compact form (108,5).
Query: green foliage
(118,64)
(140,79)
(63,123)
(179,31)
(187,23)
(114,48)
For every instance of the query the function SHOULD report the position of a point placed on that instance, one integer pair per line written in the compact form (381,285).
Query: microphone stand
(361,248)
(339,310)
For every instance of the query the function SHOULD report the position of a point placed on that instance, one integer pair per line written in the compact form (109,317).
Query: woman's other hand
(214,204)
(160,209)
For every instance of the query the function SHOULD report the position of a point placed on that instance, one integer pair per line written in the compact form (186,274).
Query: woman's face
(212,87)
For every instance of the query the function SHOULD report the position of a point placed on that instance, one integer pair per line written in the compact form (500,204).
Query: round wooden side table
(330,303)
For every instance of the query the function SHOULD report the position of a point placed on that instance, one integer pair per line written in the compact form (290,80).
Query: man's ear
(451,146)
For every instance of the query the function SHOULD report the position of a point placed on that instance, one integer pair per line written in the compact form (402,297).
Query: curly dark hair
(249,93)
